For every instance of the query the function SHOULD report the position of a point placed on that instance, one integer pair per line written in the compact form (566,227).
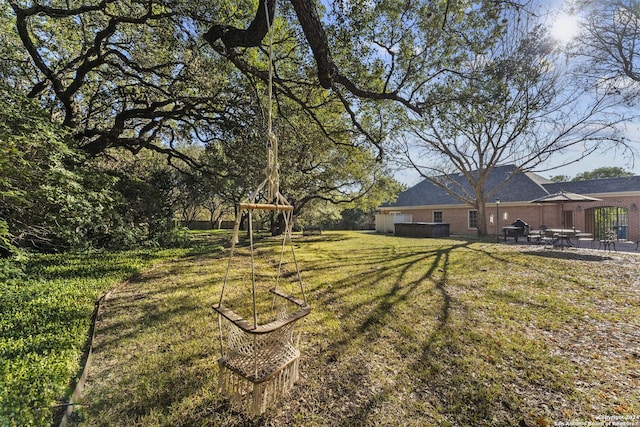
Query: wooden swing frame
(229,314)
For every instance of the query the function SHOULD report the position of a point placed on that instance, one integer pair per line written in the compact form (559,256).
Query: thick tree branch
(233,37)
(317,38)
(307,14)
(54,78)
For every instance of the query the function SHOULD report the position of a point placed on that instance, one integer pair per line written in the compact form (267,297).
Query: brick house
(617,210)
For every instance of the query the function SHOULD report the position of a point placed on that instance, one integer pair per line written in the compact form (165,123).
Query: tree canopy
(137,75)
(161,74)
(598,173)
(602,173)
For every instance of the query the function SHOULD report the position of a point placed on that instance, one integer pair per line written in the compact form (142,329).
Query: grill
(518,228)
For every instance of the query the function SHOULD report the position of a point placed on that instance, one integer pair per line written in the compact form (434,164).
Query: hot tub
(422,229)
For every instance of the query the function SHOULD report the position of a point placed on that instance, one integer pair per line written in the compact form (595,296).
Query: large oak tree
(135,73)
(148,74)
(138,75)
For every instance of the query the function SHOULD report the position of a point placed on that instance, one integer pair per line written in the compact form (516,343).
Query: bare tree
(611,41)
(513,102)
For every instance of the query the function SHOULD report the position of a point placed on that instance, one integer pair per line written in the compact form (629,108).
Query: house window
(473,219)
(437,216)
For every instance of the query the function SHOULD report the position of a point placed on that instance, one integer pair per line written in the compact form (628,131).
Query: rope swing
(259,359)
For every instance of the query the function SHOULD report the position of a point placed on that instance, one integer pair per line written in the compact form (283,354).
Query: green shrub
(53,198)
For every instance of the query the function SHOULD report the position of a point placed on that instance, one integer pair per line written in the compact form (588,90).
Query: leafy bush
(6,247)
(53,198)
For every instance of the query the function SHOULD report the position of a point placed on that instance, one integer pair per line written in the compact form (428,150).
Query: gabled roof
(597,186)
(523,187)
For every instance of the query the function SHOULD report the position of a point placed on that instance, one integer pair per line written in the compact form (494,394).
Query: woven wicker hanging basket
(259,362)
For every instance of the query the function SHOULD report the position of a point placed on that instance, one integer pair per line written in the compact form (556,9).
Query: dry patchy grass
(413,332)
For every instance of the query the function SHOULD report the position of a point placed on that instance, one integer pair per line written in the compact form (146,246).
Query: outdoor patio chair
(609,239)
(548,238)
(536,236)
(585,237)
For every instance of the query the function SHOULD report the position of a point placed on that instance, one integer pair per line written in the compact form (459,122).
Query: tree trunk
(482,216)
(278,225)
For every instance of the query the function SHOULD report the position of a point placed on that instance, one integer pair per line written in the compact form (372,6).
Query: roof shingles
(522,187)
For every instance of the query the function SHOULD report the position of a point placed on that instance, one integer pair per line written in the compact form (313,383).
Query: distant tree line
(599,173)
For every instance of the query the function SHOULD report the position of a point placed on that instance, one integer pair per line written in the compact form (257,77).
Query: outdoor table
(564,235)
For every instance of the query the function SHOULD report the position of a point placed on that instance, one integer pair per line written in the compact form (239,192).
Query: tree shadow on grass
(381,345)
(382,337)
(151,362)
(436,386)
(568,256)
(154,351)
(446,382)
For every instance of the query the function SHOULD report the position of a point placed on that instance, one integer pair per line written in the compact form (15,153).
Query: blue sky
(410,177)
(595,161)
(564,28)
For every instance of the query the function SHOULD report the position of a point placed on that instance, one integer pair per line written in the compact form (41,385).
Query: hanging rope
(287,235)
(271,172)
(260,361)
(271,181)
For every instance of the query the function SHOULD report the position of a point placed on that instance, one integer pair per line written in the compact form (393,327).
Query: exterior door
(609,218)
(567,219)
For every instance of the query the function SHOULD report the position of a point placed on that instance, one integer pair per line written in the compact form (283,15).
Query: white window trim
(469,227)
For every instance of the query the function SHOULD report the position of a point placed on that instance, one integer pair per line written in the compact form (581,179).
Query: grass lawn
(403,331)
(45,317)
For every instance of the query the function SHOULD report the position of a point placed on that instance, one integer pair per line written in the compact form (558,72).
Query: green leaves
(44,321)
(601,173)
(52,197)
